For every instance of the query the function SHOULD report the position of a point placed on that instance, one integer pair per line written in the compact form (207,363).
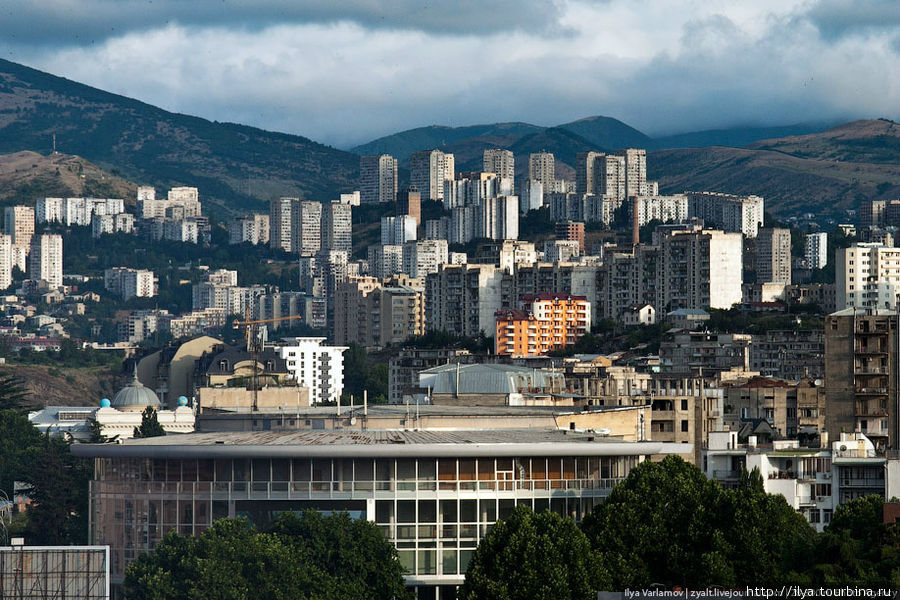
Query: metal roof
(380,443)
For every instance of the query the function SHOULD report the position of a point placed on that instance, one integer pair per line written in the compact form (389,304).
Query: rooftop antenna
(54,143)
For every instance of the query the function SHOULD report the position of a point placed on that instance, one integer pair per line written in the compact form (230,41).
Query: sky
(346,72)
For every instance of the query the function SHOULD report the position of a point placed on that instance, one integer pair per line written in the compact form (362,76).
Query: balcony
(871,391)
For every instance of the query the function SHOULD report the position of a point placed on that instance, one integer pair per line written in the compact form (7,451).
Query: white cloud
(660,66)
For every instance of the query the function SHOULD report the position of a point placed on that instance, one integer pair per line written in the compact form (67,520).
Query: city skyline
(346,73)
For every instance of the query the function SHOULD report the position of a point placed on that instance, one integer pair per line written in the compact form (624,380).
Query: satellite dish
(843,448)
(817,382)
(353,420)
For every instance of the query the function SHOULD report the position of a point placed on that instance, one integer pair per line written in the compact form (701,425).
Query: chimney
(635,222)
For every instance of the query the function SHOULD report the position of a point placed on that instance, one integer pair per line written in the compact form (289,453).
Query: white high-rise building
(306,227)
(867,275)
(315,366)
(18,222)
(701,269)
(773,255)
(635,172)
(377,179)
(48,210)
(464,299)
(129,283)
(532,197)
(730,212)
(817,250)
(586,180)
(428,170)
(424,257)
(6,261)
(661,208)
(280,215)
(470,189)
(610,171)
(46,259)
(397,230)
(499,218)
(542,168)
(385,261)
(337,226)
(502,162)
(252,228)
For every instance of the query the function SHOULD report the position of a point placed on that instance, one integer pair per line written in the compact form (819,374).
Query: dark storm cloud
(836,18)
(83,22)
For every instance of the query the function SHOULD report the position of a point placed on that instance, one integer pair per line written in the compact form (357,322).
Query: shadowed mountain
(234,166)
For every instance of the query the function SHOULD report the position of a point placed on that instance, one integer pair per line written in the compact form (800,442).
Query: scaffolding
(54,572)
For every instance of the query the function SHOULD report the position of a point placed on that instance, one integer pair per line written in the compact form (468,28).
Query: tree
(17,435)
(13,395)
(304,558)
(534,557)
(150,426)
(655,528)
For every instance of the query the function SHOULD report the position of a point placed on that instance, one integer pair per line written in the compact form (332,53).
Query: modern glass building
(435,494)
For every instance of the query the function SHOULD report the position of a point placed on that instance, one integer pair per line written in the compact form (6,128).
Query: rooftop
(380,443)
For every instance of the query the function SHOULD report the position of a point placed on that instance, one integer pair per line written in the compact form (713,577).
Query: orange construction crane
(254,346)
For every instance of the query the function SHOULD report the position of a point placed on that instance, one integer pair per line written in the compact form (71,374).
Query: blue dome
(182,401)
(105,403)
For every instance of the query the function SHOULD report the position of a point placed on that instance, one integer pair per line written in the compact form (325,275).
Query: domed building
(135,397)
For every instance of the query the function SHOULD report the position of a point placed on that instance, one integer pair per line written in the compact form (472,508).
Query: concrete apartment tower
(542,168)
(773,255)
(377,179)
(428,170)
(409,202)
(46,259)
(502,162)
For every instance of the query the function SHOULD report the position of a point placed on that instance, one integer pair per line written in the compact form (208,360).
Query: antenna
(54,143)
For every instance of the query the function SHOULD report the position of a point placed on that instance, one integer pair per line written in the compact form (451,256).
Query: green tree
(17,435)
(150,426)
(306,557)
(13,395)
(534,557)
(59,490)
(655,527)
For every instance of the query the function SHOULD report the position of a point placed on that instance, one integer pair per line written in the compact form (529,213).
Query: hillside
(606,133)
(27,175)
(823,173)
(50,386)
(234,166)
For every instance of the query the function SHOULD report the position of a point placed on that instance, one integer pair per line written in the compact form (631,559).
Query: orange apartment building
(547,322)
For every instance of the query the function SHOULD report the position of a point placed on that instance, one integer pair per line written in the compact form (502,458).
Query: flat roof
(423,410)
(378,443)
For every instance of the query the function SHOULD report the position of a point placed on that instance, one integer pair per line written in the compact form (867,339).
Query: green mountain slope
(234,166)
(606,133)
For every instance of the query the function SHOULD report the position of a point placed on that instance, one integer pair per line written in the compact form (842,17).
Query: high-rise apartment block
(315,366)
(385,260)
(610,174)
(699,270)
(867,275)
(463,299)
(816,250)
(409,202)
(773,255)
(253,229)
(45,262)
(732,213)
(424,257)
(129,283)
(585,177)
(18,222)
(499,218)
(187,198)
(376,313)
(862,355)
(470,189)
(377,179)
(635,172)
(280,222)
(6,261)
(337,226)
(542,168)
(666,209)
(501,162)
(397,230)
(428,170)
(306,228)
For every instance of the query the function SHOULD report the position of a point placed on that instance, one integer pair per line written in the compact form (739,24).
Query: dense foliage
(534,557)
(297,557)
(150,426)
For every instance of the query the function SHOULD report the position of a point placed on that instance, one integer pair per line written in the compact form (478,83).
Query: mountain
(606,133)
(401,145)
(824,173)
(234,166)
(27,175)
(736,137)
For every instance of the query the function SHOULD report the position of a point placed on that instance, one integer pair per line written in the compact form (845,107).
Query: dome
(105,403)
(182,401)
(135,396)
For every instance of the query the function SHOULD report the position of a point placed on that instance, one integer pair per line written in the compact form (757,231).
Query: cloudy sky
(345,72)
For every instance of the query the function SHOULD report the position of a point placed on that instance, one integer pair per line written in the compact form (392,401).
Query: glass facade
(435,510)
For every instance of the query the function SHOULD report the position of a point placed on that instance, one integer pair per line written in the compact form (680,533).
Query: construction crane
(254,346)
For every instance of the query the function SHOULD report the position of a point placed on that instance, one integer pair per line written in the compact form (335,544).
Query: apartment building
(502,162)
(635,171)
(730,212)
(281,222)
(18,223)
(867,275)
(428,170)
(773,255)
(129,283)
(546,322)
(45,261)
(377,179)
(463,299)
(306,227)
(253,229)
(666,209)
(699,270)
(376,313)
(315,366)
(816,250)
(397,230)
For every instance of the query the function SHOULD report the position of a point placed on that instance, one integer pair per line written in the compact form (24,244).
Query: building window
(684,425)
(684,405)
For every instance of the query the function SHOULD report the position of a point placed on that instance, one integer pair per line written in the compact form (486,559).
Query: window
(684,425)
(684,405)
